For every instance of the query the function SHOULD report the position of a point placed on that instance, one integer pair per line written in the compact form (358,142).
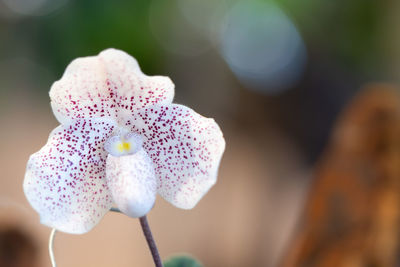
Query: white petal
(82,92)
(186,149)
(133,89)
(65,181)
(132,182)
(110,84)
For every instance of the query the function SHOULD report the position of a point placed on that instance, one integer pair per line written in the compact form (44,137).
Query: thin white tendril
(51,242)
(51,246)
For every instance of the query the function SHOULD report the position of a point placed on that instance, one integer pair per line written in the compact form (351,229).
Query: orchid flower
(121,141)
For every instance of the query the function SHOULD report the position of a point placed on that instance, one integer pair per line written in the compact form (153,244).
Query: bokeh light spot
(262,46)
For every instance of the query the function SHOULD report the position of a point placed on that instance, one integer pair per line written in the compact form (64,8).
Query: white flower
(122,141)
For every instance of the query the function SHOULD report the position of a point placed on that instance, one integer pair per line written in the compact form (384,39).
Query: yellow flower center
(121,145)
(124,147)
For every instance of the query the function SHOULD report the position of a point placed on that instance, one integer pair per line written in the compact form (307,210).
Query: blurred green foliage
(347,31)
(182,261)
(87,27)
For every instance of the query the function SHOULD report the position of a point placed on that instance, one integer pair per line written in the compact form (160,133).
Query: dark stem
(150,241)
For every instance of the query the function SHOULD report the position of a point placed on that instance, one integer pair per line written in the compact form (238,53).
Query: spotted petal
(186,149)
(133,89)
(65,180)
(110,84)
(132,182)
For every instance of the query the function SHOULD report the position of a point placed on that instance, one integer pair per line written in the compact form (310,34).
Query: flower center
(123,144)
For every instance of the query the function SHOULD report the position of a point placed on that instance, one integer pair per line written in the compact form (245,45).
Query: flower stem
(150,241)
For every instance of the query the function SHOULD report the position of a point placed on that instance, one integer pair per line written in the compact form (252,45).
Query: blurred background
(279,77)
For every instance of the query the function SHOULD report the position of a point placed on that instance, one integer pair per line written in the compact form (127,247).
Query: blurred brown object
(352,216)
(16,248)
